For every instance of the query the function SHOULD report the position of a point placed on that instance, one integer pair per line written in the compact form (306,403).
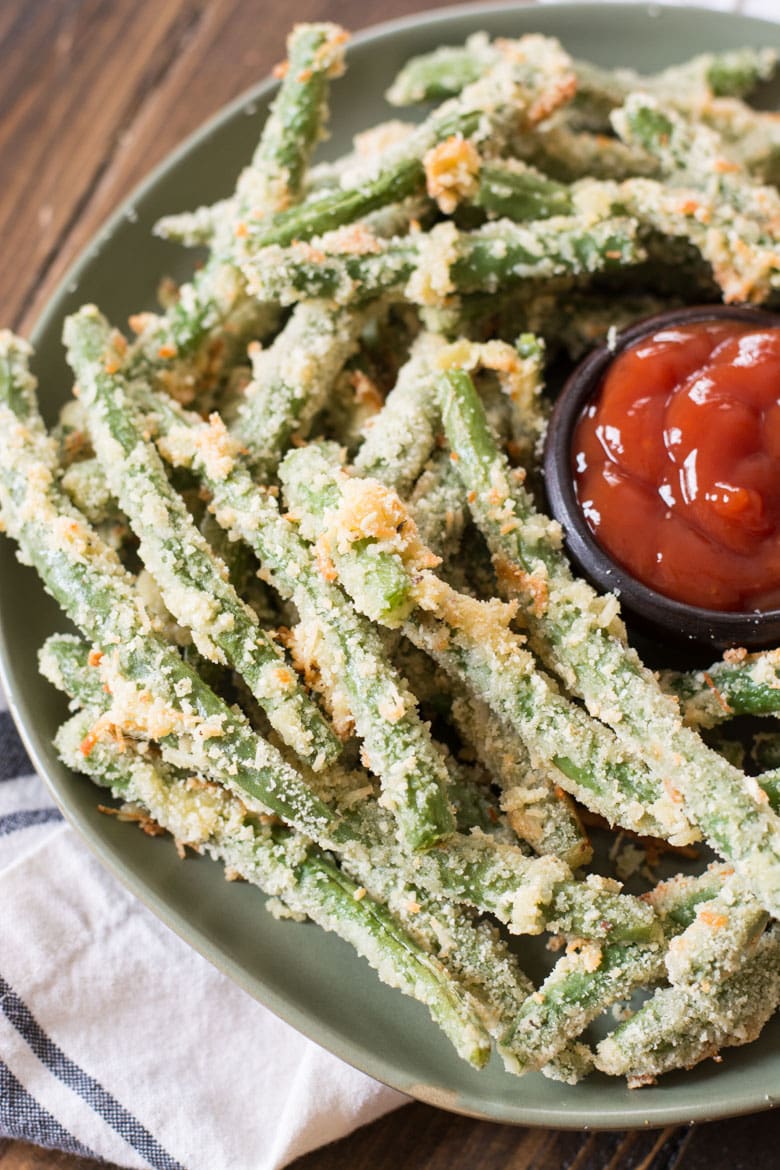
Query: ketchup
(676,464)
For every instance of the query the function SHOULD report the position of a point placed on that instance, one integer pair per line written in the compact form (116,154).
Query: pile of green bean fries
(325,632)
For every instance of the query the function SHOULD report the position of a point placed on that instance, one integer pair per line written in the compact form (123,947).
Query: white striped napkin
(119,1042)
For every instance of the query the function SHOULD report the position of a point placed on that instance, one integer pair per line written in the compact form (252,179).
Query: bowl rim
(677,619)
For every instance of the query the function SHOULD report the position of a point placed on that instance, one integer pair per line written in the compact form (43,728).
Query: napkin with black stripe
(119,1042)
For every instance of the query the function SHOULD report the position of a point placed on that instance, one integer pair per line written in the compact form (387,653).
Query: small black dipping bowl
(649,610)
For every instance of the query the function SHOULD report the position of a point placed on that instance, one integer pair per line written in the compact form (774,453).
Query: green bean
(98,595)
(383,567)
(64,661)
(395,741)
(442,73)
(518,192)
(720,206)
(538,811)
(580,987)
(426,270)
(740,684)
(508,96)
(687,87)
(296,121)
(527,894)
(585,761)
(681,1026)
(712,221)
(310,480)
(199,228)
(402,435)
(284,865)
(480,870)
(519,421)
(187,350)
(474,800)
(191,580)
(715,944)
(570,1065)
(683,151)
(565,154)
(438,509)
(445,71)
(752,137)
(590,978)
(86,485)
(203,817)
(769,782)
(472,948)
(71,434)
(346,206)
(291,380)
(577,633)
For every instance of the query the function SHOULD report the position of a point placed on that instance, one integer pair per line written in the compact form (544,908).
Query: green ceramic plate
(309,978)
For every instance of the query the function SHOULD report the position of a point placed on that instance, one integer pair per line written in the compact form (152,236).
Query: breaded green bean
(565,154)
(512,189)
(519,372)
(193,583)
(440,939)
(198,228)
(740,684)
(538,810)
(587,762)
(351,267)
(769,782)
(581,986)
(162,693)
(445,71)
(752,137)
(522,87)
(402,435)
(285,865)
(472,948)
(438,508)
(292,378)
(578,634)
(86,485)
(397,745)
(187,349)
(527,894)
(590,978)
(681,1026)
(296,122)
(714,946)
(367,534)
(712,201)
(475,869)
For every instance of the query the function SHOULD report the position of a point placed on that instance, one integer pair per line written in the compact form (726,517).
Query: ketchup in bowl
(676,463)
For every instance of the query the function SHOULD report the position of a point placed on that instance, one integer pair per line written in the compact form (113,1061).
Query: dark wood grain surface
(93,93)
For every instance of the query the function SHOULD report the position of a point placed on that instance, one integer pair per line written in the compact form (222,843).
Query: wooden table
(93,93)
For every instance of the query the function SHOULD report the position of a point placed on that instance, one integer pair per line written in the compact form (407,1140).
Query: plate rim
(314,1028)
